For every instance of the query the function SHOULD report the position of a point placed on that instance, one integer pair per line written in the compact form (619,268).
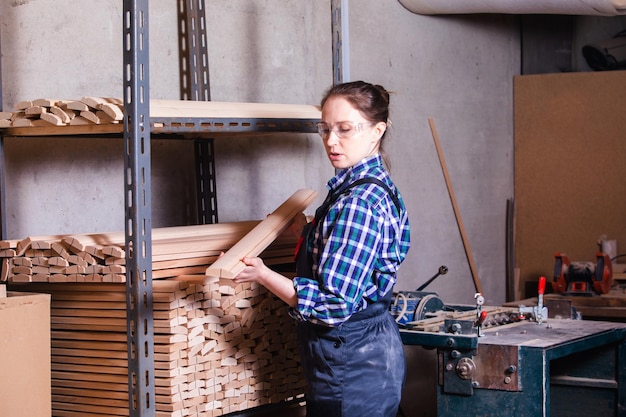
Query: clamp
(539,312)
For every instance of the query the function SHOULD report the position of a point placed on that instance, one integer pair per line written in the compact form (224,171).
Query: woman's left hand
(254,271)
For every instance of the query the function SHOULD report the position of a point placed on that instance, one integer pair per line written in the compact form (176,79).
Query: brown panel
(570,167)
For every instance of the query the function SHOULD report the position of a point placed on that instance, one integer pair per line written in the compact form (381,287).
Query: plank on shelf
(96,115)
(215,109)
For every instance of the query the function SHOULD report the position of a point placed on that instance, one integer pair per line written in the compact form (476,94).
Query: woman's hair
(369,99)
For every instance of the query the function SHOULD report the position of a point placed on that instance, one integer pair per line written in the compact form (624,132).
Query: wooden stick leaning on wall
(455,207)
(252,244)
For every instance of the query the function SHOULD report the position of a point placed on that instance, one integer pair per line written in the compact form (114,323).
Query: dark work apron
(356,369)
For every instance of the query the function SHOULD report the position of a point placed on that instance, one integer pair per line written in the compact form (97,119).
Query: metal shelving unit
(137,130)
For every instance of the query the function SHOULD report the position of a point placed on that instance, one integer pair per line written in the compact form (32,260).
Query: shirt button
(337,345)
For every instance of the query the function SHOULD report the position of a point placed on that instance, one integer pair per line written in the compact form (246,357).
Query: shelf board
(197,118)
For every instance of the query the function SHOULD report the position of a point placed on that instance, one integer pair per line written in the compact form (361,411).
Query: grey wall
(456,69)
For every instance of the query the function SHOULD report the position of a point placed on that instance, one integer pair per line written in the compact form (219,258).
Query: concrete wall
(456,69)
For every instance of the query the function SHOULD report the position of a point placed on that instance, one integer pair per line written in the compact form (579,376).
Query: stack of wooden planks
(53,112)
(100,257)
(176,252)
(46,112)
(218,349)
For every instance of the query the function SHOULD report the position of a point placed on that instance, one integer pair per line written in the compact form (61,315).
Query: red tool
(582,278)
(538,312)
(482,317)
(542,286)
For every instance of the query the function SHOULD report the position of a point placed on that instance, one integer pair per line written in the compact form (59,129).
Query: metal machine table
(556,368)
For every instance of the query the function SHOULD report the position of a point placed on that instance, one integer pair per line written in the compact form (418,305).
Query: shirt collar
(355,171)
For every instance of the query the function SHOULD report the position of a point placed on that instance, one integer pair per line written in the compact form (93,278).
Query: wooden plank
(81,392)
(64,116)
(215,109)
(110,411)
(59,361)
(91,377)
(93,336)
(83,312)
(81,399)
(53,119)
(457,212)
(93,353)
(101,305)
(253,243)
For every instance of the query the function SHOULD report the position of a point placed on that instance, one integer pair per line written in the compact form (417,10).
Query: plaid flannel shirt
(357,249)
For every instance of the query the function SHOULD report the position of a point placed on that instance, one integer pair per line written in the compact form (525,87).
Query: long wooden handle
(455,207)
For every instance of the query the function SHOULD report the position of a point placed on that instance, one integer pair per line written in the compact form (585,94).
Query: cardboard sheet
(570,165)
(25,385)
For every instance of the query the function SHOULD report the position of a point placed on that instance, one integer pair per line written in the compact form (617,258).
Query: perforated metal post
(195,85)
(3,222)
(341,41)
(206,184)
(138,201)
(194,60)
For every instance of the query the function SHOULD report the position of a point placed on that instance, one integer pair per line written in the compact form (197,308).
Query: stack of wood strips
(106,110)
(176,251)
(52,112)
(217,349)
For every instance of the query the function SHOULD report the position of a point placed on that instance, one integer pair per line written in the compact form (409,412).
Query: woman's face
(348,137)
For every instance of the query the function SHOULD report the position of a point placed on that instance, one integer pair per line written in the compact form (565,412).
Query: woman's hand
(254,271)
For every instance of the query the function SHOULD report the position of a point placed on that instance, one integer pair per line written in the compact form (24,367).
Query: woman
(350,346)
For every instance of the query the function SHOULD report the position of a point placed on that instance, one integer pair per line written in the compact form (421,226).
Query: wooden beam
(457,212)
(252,244)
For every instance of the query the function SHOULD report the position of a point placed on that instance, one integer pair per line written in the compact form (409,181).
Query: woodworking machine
(504,361)
(582,278)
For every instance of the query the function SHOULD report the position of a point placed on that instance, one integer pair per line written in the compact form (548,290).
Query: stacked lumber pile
(101,257)
(176,251)
(52,112)
(217,349)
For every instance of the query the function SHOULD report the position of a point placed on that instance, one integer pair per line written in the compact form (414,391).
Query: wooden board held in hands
(252,244)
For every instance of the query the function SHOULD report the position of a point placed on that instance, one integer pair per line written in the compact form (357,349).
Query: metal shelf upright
(195,85)
(138,203)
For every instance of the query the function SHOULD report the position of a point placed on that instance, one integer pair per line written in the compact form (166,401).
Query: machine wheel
(430,303)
